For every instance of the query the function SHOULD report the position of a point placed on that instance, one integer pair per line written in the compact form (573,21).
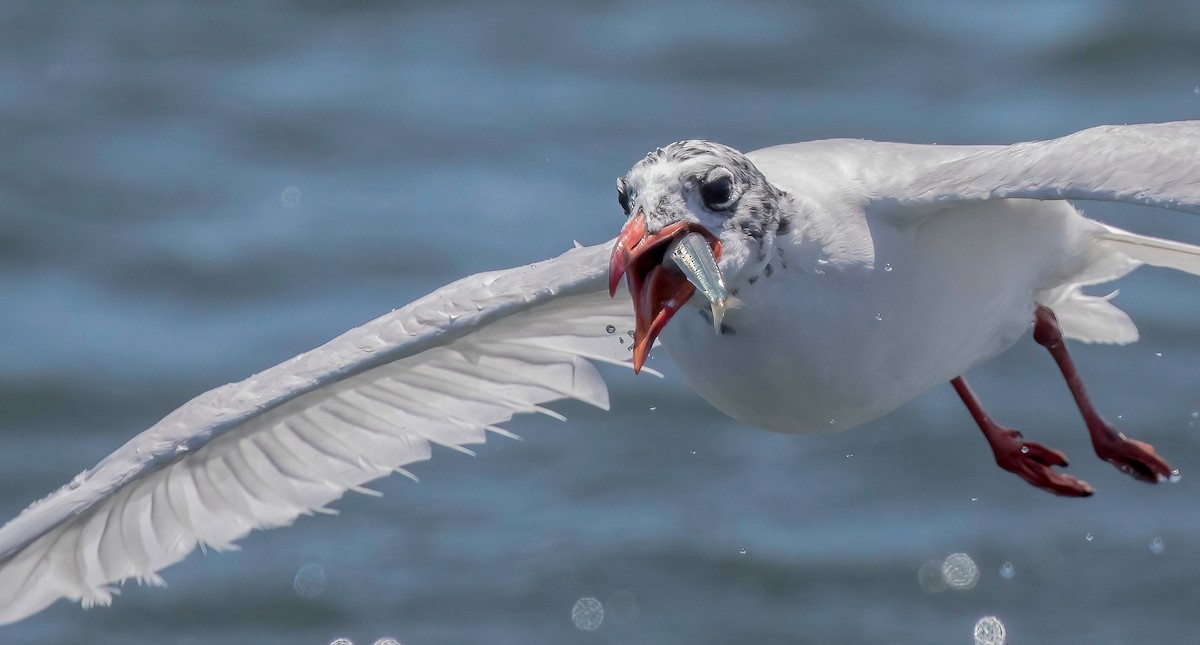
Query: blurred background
(191,191)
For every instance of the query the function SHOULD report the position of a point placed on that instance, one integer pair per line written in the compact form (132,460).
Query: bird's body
(859,274)
(801,355)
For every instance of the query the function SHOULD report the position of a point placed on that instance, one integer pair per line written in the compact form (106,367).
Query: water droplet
(587,614)
(290,197)
(1196,414)
(341,641)
(693,452)
(974,499)
(310,580)
(1089,537)
(1158,354)
(887,267)
(960,572)
(181,448)
(849,455)
(1024,450)
(832,421)
(1006,571)
(1175,476)
(653,408)
(742,550)
(878,316)
(612,329)
(387,641)
(989,631)
(1156,546)
(929,576)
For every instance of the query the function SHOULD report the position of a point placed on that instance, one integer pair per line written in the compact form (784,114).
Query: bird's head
(689,187)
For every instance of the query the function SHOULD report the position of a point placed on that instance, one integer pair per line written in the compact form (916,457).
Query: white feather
(288,441)
(1154,164)
(1153,250)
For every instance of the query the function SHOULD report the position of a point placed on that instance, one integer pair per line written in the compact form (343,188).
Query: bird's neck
(823,235)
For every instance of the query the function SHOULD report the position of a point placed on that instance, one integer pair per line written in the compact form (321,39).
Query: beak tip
(641,352)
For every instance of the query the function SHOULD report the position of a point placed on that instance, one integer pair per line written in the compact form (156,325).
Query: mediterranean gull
(801,288)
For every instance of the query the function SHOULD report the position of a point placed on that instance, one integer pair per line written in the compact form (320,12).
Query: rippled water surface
(190,192)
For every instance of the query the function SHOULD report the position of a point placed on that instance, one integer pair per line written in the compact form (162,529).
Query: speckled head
(709,184)
(691,186)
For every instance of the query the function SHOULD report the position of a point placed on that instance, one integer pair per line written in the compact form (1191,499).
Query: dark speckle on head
(692,148)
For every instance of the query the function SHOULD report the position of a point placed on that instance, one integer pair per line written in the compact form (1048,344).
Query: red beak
(658,288)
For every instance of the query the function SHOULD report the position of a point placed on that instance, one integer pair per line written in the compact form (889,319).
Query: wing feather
(1155,164)
(444,370)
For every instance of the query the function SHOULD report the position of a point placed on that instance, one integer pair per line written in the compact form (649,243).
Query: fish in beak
(660,287)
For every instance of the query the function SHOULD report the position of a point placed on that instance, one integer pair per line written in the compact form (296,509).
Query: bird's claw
(1034,463)
(1134,458)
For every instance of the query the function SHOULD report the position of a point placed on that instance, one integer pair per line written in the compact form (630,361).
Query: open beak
(658,288)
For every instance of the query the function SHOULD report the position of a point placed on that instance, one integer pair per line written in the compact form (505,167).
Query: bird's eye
(717,192)
(623,195)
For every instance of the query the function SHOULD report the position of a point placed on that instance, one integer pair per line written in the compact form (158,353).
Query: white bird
(858,275)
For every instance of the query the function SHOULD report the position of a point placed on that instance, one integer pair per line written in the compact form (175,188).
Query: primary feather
(286,442)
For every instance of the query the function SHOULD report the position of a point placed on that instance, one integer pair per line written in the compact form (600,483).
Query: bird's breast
(807,352)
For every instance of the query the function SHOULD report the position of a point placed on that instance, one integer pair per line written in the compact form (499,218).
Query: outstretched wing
(285,442)
(1154,164)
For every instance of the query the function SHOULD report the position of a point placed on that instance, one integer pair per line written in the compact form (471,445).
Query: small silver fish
(694,257)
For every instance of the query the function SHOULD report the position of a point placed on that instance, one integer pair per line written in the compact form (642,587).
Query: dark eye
(717,192)
(622,196)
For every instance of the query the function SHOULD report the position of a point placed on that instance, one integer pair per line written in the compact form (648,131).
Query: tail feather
(1153,250)
(1093,319)
(1090,319)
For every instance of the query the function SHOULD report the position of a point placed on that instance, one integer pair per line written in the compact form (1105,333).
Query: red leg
(1030,461)
(1130,456)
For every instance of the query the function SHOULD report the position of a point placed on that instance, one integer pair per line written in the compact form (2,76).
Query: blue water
(190,192)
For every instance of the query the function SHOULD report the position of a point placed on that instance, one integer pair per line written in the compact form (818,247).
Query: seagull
(802,288)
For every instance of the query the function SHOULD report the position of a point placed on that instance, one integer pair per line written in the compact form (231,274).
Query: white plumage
(449,367)
(443,370)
